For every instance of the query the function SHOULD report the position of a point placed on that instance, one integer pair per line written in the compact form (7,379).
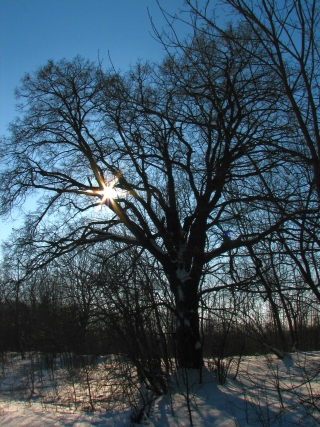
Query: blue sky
(33,31)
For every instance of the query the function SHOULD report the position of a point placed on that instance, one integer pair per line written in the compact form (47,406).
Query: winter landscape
(163,268)
(256,391)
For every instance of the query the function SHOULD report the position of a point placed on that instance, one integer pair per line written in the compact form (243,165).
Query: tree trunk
(188,339)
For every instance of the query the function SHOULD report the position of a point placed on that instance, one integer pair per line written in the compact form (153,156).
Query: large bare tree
(174,154)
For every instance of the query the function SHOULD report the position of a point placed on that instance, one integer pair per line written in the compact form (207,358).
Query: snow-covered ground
(261,391)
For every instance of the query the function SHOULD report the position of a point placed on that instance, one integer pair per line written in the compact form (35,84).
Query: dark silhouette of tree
(173,154)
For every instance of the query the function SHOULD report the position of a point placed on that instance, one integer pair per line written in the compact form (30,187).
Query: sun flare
(108,193)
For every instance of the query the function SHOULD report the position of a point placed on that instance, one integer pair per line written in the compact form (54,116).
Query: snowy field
(258,391)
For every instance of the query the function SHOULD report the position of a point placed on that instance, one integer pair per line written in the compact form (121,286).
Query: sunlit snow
(262,391)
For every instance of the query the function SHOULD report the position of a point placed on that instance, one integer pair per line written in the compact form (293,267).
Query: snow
(264,391)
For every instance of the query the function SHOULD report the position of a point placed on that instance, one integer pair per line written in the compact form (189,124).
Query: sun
(108,193)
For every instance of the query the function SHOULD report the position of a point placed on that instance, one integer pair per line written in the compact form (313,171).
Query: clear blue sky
(33,31)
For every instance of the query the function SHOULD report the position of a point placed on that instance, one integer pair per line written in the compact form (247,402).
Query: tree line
(83,306)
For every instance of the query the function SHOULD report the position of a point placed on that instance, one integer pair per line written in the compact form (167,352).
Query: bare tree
(173,154)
